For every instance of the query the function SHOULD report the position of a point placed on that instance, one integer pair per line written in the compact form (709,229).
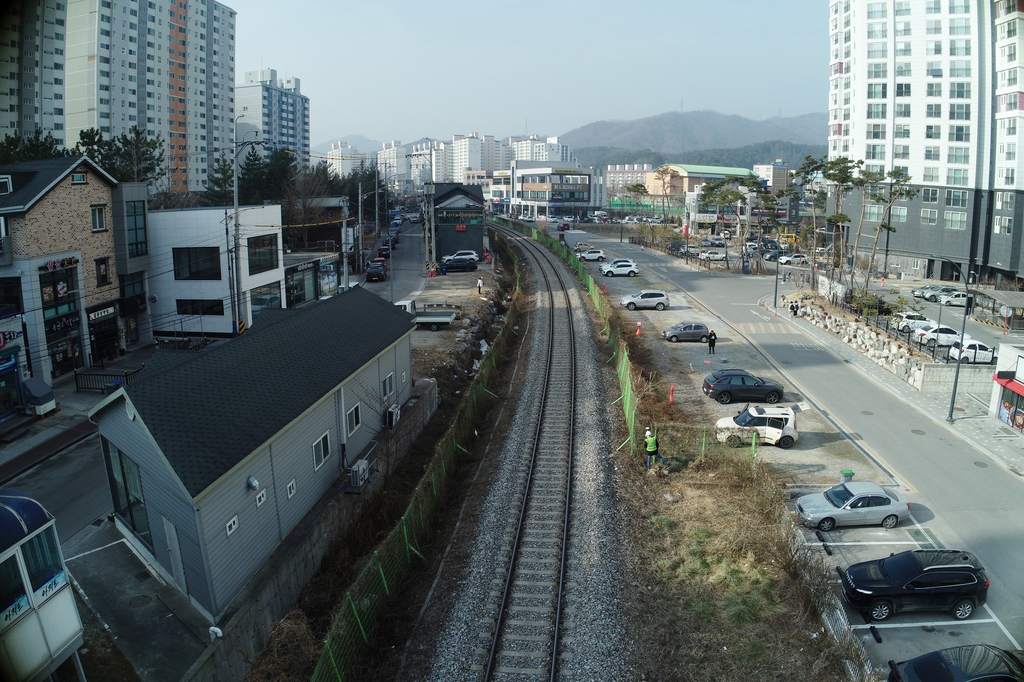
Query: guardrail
(103,381)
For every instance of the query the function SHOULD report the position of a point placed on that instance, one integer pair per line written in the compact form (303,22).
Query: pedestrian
(652,449)
(712,338)
(479,285)
(793,307)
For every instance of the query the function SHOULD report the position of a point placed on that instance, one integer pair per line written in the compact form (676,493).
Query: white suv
(910,320)
(592,254)
(773,424)
(620,266)
(461,254)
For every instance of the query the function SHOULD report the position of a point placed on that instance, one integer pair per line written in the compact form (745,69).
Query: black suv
(460,263)
(917,580)
(375,272)
(727,385)
(971,663)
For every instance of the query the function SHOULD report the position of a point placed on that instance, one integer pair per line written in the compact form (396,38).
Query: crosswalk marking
(766,328)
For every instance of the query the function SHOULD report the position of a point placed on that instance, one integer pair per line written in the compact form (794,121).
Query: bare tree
(305,194)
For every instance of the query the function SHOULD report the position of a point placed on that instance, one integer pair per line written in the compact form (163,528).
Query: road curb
(47,449)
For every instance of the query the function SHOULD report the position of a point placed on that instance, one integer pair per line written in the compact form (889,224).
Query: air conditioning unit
(358,473)
(391,416)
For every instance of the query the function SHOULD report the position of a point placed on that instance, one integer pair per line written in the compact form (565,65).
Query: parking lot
(814,462)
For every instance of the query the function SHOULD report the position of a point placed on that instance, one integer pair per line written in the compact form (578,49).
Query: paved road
(406,267)
(972,506)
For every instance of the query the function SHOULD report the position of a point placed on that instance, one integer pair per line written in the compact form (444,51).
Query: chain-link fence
(355,620)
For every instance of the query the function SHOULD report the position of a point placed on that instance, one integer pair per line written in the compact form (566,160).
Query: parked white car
(906,321)
(773,424)
(461,254)
(972,351)
(592,254)
(956,299)
(712,255)
(793,259)
(648,298)
(934,334)
(620,266)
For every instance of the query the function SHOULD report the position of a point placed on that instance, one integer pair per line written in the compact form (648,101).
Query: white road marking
(1002,627)
(932,624)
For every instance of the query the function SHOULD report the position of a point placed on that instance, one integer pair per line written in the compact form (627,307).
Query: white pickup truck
(432,315)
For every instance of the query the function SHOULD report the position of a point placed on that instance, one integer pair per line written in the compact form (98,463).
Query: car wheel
(880,610)
(632,274)
(434,326)
(890,521)
(673,339)
(785,442)
(933,299)
(600,259)
(734,441)
(771,398)
(631,306)
(608,274)
(725,398)
(826,524)
(660,306)
(704,338)
(931,343)
(947,303)
(963,609)
(965,360)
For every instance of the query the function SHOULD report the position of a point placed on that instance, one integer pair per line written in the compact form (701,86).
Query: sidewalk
(971,422)
(68,424)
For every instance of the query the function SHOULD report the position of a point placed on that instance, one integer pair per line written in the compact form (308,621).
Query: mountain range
(676,132)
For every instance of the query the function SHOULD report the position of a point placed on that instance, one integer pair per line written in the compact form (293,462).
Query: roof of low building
(32,180)
(690,169)
(443,189)
(20,516)
(210,413)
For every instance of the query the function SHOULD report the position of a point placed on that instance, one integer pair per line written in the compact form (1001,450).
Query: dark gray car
(686,331)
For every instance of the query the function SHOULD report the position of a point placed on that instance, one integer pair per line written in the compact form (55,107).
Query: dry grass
(722,587)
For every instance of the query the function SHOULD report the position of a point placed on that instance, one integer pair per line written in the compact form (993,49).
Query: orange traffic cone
(638,324)
(604,287)
(672,394)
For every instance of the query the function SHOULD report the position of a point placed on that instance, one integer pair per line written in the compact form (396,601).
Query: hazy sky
(405,69)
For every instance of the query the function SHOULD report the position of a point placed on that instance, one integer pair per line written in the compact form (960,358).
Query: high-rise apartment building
(166,67)
(932,87)
(535,149)
(343,158)
(276,110)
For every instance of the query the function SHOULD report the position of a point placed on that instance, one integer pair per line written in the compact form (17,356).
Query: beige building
(57,266)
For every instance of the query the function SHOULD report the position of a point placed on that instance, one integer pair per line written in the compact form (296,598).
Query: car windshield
(743,418)
(838,495)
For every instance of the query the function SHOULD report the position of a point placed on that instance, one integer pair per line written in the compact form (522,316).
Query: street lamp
(963,332)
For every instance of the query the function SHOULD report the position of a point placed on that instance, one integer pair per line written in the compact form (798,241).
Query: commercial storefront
(104,332)
(133,312)
(1007,404)
(310,276)
(300,283)
(58,291)
(328,271)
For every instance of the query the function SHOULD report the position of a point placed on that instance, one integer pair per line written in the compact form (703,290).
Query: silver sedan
(853,504)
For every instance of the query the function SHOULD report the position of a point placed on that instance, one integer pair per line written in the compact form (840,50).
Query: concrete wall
(270,595)
(898,358)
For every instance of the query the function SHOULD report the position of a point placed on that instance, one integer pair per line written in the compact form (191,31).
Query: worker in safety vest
(652,449)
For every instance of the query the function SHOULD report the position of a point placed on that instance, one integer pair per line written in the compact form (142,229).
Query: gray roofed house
(32,180)
(214,460)
(458,218)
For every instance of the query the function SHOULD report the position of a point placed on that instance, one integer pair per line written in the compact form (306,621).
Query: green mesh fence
(354,621)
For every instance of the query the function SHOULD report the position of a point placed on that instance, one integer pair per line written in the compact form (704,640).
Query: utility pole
(236,313)
(344,238)
(359,261)
(231,279)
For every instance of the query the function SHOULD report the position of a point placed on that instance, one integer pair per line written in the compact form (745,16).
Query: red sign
(460,227)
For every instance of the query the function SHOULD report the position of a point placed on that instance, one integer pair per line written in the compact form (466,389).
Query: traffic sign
(1006,311)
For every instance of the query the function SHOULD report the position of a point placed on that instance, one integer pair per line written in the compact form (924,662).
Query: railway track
(527,604)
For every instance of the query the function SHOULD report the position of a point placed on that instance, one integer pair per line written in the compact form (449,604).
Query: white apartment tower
(343,158)
(931,86)
(166,67)
(535,149)
(273,110)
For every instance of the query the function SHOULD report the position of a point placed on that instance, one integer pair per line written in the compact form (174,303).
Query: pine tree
(220,187)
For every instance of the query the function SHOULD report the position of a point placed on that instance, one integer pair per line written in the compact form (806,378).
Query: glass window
(933,27)
(957,177)
(877,90)
(13,597)
(43,564)
(959,155)
(878,70)
(99,218)
(126,491)
(102,272)
(899,214)
(902,110)
(929,216)
(955,220)
(10,296)
(264,297)
(262,253)
(959,90)
(197,263)
(959,133)
(930,196)
(352,420)
(933,132)
(933,111)
(321,451)
(956,197)
(876,111)
(931,174)
(902,131)
(932,153)
(135,227)
(959,69)
(903,70)
(198,306)
(387,386)
(903,89)
(133,284)
(59,292)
